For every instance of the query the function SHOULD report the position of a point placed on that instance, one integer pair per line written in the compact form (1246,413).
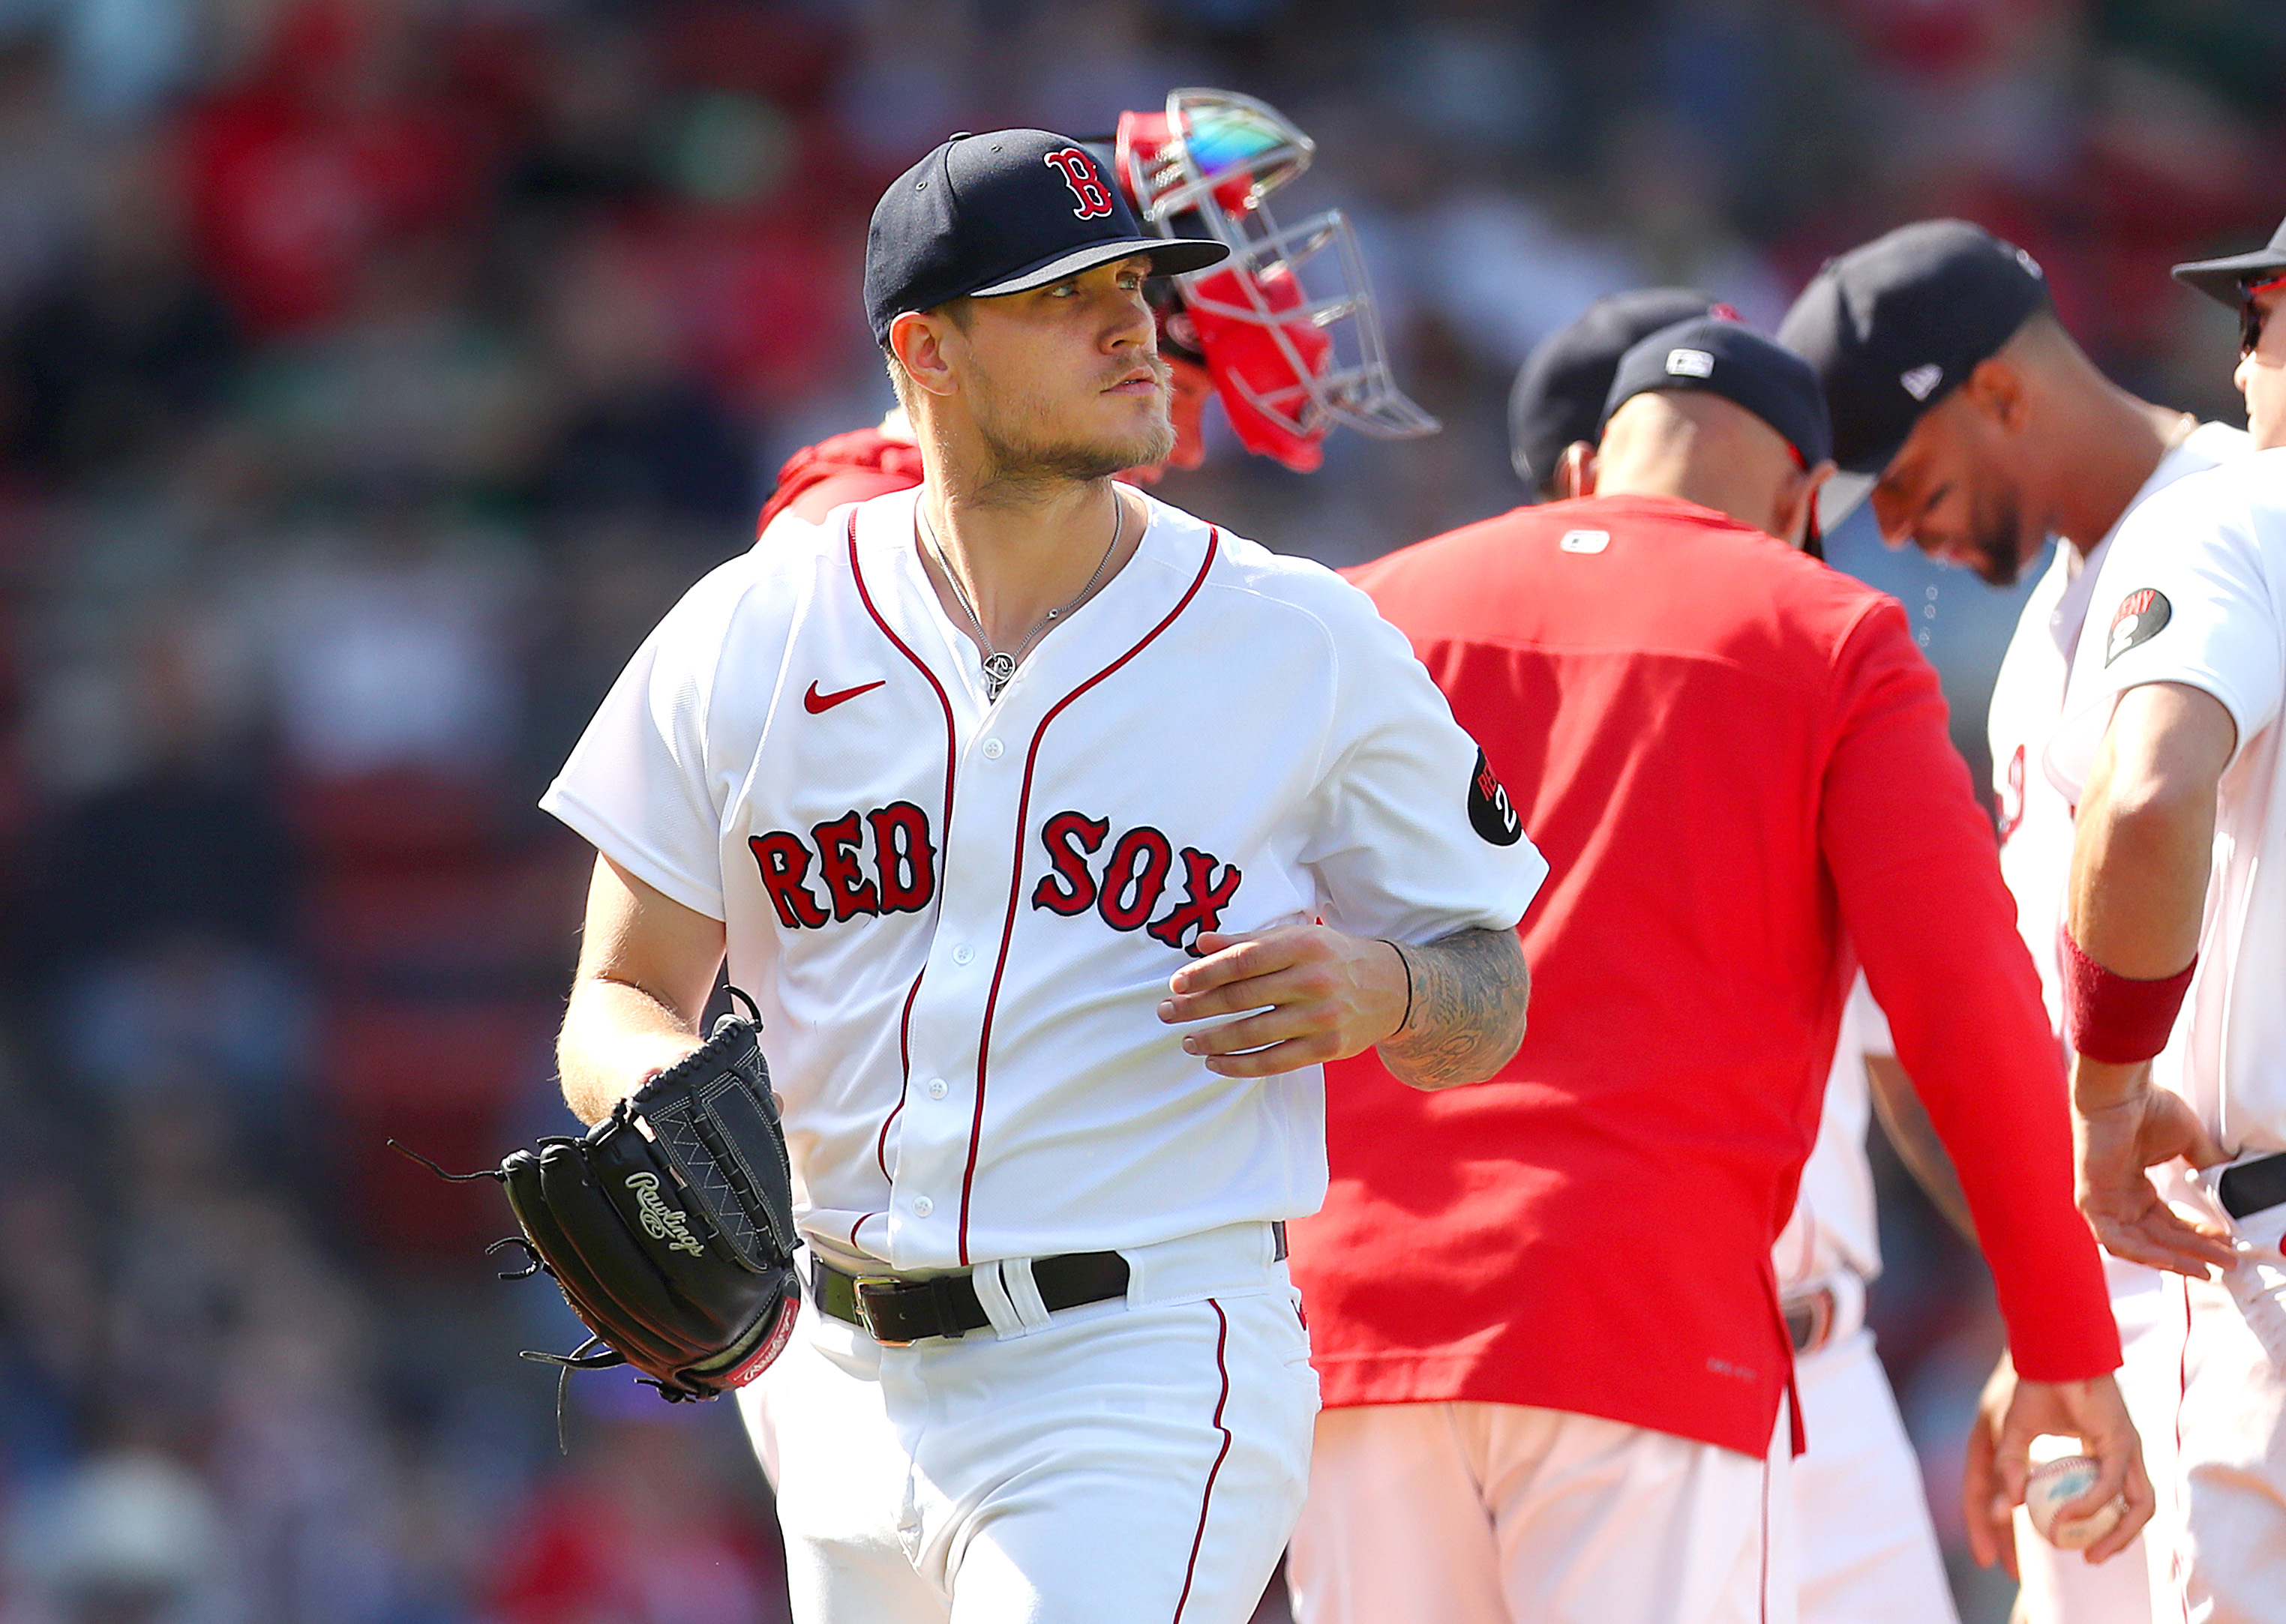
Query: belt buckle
(879,1283)
(1817,1308)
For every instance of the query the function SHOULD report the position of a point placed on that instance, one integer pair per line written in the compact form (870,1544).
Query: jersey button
(992,748)
(936,1088)
(963,955)
(923,1206)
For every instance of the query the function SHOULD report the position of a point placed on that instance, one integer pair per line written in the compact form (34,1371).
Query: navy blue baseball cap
(1559,392)
(1727,359)
(998,213)
(1895,325)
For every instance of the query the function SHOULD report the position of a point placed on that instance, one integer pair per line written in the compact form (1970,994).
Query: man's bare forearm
(615,1035)
(1470,990)
(1906,1121)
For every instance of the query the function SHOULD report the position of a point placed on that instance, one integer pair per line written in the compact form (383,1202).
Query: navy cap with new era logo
(1000,213)
(1896,325)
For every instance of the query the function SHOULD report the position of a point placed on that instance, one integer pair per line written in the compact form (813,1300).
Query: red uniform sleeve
(1918,876)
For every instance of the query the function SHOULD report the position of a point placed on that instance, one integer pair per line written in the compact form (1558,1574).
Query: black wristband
(1406,965)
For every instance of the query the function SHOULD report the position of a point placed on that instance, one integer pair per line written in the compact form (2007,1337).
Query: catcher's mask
(1286,326)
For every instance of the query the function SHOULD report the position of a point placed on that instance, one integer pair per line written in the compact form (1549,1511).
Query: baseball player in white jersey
(1982,431)
(1865,1549)
(1014,801)
(2174,951)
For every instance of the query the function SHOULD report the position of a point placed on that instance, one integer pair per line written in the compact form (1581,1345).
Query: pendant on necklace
(998,667)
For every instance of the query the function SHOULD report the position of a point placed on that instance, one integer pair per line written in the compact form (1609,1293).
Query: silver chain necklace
(1000,664)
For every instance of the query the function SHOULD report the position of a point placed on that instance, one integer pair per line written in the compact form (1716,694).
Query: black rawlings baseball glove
(669,1224)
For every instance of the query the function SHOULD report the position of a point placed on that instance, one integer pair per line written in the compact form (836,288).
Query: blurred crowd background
(374,372)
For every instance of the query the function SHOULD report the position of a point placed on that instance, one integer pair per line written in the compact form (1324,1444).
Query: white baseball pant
(1470,1513)
(1135,1462)
(2211,1407)
(1866,1549)
(2062,1587)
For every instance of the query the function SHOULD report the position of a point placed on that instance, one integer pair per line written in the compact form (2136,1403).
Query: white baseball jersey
(2194,593)
(2036,842)
(958,917)
(2027,696)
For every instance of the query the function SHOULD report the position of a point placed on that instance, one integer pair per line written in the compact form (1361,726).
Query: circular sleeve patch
(2140,616)
(1489,812)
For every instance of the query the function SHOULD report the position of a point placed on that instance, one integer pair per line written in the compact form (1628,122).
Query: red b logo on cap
(1079,175)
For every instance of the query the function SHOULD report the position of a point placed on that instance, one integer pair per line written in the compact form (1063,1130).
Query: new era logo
(1585,541)
(1920,382)
(1690,363)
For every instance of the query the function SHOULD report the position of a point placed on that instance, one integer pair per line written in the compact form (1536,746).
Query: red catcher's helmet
(1286,326)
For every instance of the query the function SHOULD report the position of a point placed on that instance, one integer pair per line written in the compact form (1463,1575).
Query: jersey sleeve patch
(2140,616)
(1489,812)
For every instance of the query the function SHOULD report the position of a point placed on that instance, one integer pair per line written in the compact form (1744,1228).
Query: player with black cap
(1546,1323)
(1983,430)
(1048,934)
(1556,406)
(2174,947)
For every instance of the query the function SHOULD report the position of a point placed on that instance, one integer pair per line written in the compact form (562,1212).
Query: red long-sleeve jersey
(1736,762)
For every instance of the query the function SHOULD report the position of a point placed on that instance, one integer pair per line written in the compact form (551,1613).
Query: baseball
(2055,1485)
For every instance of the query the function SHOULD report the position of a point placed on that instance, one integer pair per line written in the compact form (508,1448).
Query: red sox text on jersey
(896,872)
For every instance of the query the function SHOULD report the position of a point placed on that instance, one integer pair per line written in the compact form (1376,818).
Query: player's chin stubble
(1026,447)
(1998,540)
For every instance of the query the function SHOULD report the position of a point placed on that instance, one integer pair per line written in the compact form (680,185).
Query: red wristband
(2115,1018)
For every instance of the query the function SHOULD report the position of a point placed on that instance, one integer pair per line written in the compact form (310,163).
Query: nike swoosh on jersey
(817,703)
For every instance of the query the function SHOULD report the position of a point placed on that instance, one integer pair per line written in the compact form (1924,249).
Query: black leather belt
(2253,1187)
(897,1312)
(1810,1319)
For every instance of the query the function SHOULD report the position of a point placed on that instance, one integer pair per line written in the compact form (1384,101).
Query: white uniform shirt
(2027,697)
(958,918)
(2194,593)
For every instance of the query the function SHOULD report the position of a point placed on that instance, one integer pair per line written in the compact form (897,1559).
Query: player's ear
(1798,505)
(918,339)
(1995,387)
(1575,471)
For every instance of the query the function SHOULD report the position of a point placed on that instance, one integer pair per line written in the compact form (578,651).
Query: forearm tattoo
(1469,995)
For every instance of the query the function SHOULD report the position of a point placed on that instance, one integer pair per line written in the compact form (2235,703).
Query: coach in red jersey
(1552,1362)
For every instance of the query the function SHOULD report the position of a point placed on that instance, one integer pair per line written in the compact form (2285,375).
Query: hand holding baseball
(2093,1413)
(2056,1495)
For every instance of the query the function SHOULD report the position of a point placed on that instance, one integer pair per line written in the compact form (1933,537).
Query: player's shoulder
(2211,443)
(1250,577)
(750,593)
(1657,555)
(2242,499)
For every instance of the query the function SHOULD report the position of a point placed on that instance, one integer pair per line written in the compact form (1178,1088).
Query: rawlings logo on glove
(662,1221)
(695,1159)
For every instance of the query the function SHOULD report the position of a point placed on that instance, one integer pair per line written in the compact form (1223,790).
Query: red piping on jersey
(2177,1563)
(1206,1498)
(863,1219)
(1016,870)
(944,822)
